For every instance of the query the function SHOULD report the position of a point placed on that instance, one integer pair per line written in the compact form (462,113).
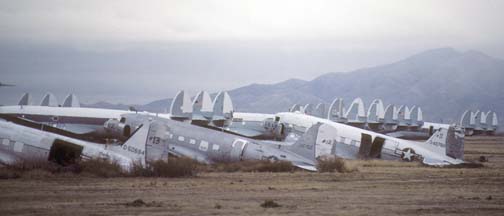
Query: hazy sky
(138,51)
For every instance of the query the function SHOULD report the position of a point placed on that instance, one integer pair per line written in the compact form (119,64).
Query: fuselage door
(237,149)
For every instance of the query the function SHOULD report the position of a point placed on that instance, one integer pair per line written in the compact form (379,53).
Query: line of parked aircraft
(210,131)
(402,121)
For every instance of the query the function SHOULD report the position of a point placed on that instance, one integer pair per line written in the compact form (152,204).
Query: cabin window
(181,138)
(18,146)
(203,145)
(354,143)
(192,141)
(166,134)
(6,142)
(215,147)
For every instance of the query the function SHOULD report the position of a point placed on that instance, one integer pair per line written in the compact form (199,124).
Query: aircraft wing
(48,128)
(437,162)
(245,132)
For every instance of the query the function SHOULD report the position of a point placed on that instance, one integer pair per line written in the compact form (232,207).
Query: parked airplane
(272,127)
(210,146)
(77,120)
(19,142)
(6,85)
(445,147)
(479,122)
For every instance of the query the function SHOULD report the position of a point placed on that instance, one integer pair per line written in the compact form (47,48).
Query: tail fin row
(50,100)
(202,108)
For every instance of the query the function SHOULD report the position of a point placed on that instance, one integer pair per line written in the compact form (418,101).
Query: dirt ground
(377,188)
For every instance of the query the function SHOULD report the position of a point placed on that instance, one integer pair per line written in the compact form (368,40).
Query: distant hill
(444,82)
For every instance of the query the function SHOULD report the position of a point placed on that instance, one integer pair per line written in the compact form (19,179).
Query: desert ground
(376,188)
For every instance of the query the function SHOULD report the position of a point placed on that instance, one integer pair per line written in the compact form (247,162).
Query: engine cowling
(117,129)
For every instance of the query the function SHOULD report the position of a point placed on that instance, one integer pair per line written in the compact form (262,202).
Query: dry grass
(100,168)
(378,188)
(6,173)
(254,166)
(382,163)
(174,167)
(334,164)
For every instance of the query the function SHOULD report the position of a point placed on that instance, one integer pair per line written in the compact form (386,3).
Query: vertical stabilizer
(356,113)
(25,100)
(420,120)
(49,100)
(474,118)
(305,145)
(181,107)
(465,120)
(320,110)
(156,146)
(400,113)
(495,121)
(135,146)
(295,108)
(451,140)
(202,107)
(389,114)
(71,101)
(308,109)
(222,109)
(336,111)
(376,112)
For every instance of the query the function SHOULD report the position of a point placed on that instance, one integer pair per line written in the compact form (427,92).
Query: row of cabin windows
(18,146)
(203,144)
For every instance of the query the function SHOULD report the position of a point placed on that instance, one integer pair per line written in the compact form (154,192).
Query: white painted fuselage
(350,137)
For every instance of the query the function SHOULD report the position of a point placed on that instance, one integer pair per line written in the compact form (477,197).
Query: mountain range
(443,82)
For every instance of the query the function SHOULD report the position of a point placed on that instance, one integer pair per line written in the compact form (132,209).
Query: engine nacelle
(275,128)
(117,129)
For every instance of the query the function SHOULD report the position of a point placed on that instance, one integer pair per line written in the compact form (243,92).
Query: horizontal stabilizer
(305,166)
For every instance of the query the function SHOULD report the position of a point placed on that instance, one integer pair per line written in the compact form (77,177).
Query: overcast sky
(139,51)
